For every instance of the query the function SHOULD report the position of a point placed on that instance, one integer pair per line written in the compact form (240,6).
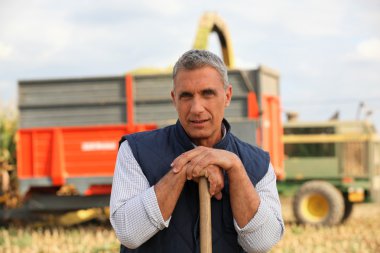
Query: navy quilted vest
(154,151)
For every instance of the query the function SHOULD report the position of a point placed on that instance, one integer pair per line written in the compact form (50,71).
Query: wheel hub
(315,207)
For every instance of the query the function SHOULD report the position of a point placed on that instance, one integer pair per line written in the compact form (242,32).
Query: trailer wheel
(348,208)
(318,203)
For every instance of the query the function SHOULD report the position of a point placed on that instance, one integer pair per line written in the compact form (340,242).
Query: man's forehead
(203,69)
(184,78)
(196,87)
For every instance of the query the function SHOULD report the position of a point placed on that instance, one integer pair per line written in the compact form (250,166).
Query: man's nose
(197,106)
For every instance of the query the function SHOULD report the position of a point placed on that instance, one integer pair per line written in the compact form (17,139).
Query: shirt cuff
(255,223)
(153,210)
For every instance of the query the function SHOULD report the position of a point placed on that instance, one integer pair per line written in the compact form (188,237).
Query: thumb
(218,196)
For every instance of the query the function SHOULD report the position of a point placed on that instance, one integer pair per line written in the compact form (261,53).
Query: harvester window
(309,130)
(310,150)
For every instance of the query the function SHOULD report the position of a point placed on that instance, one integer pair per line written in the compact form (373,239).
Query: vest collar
(186,142)
(223,143)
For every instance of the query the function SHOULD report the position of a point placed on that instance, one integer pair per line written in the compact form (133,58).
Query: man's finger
(184,158)
(218,196)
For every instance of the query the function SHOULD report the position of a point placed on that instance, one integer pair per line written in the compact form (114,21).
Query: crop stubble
(359,234)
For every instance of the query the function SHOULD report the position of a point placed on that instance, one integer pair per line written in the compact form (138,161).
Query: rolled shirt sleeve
(266,228)
(135,214)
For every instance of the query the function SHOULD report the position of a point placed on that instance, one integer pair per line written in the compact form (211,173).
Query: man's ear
(173,97)
(228,95)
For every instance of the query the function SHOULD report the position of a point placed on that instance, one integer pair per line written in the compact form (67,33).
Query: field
(361,233)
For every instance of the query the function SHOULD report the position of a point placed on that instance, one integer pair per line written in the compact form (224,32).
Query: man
(154,200)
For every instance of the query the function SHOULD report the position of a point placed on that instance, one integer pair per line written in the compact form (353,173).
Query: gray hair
(195,59)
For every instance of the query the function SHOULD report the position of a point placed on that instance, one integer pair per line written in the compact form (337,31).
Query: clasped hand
(208,162)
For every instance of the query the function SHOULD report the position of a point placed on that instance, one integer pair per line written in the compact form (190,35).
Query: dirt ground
(360,234)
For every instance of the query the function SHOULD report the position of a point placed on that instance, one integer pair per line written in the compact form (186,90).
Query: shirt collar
(224,132)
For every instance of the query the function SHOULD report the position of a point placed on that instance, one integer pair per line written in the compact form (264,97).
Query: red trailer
(70,128)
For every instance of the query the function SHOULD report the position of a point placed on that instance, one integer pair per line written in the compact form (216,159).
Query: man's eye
(208,93)
(185,95)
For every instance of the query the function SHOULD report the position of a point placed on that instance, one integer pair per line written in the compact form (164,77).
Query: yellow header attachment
(212,22)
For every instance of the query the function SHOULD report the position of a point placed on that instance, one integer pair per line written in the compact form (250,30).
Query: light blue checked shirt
(136,216)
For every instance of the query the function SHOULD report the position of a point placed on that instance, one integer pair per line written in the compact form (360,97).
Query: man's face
(200,99)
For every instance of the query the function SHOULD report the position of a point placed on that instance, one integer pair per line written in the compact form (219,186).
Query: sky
(326,51)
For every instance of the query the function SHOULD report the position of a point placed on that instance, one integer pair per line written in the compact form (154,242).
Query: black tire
(318,203)
(348,208)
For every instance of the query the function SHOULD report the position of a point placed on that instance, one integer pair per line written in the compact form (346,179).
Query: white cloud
(166,7)
(309,18)
(369,49)
(7,91)
(307,70)
(34,33)
(365,51)
(304,40)
(5,51)
(245,64)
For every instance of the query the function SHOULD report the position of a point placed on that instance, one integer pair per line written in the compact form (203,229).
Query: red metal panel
(253,106)
(272,132)
(98,190)
(57,162)
(91,152)
(42,144)
(24,159)
(34,155)
(129,99)
(59,153)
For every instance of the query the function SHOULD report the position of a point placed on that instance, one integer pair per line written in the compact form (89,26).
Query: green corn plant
(8,178)
(8,142)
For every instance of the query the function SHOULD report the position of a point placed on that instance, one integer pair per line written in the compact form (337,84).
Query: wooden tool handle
(205,216)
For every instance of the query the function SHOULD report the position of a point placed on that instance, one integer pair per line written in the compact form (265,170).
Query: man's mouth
(199,121)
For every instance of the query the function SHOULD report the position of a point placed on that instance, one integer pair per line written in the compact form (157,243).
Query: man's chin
(195,135)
